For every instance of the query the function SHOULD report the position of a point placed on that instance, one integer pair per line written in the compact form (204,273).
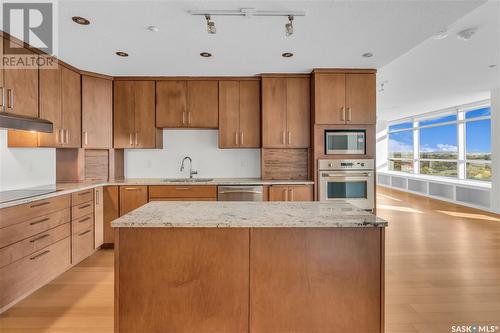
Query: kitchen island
(249,267)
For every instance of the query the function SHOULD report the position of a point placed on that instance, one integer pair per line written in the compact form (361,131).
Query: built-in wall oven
(347,180)
(345,142)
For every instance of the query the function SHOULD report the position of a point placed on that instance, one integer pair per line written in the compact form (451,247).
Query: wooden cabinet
(20,86)
(82,225)
(132,197)
(239,114)
(344,98)
(183,193)
(134,115)
(316,272)
(285,112)
(97,112)
(291,193)
(60,102)
(98,217)
(111,212)
(187,104)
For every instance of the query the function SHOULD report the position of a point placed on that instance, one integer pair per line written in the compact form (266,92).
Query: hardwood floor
(442,269)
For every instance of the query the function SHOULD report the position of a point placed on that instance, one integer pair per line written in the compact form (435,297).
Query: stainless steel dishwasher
(240,193)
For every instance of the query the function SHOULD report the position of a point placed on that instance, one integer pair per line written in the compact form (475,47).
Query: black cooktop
(13,195)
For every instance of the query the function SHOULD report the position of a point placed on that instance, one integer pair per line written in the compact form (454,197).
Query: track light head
(289,26)
(210,25)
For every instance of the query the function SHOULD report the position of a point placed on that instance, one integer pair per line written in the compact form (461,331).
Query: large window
(454,144)
(401,147)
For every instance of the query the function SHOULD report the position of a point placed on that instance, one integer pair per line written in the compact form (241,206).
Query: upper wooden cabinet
(19,87)
(97,112)
(134,115)
(239,114)
(186,103)
(285,112)
(60,102)
(344,98)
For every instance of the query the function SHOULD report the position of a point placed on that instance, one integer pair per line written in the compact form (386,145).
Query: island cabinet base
(257,280)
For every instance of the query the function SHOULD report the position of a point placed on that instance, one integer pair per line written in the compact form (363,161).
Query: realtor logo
(30,22)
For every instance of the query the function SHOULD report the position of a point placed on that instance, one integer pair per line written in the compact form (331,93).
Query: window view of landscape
(438,146)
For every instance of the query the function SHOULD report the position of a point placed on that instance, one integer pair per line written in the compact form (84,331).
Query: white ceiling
(332,34)
(443,73)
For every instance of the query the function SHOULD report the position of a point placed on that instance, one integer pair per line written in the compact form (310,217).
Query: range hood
(25,123)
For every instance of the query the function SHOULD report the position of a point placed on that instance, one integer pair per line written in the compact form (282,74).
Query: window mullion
(416,148)
(461,145)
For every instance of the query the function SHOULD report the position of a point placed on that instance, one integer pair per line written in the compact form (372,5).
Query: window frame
(461,139)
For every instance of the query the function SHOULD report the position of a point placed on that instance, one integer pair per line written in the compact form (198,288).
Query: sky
(444,138)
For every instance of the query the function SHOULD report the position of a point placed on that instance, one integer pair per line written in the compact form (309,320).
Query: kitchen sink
(187,180)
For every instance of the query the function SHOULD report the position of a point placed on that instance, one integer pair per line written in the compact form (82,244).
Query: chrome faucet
(191,171)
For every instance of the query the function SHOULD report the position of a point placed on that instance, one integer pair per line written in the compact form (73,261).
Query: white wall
(202,147)
(25,167)
(382,145)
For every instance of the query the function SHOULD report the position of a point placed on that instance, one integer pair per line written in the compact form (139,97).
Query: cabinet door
(50,106)
(111,212)
(298,112)
(98,217)
(171,104)
(22,90)
(273,112)
(229,114)
(146,134)
(278,193)
(97,112)
(123,100)
(203,104)
(132,197)
(361,99)
(71,92)
(249,114)
(329,98)
(300,192)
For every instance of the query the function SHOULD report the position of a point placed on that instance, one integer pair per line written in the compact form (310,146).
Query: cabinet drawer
(20,213)
(20,231)
(82,244)
(19,250)
(82,197)
(82,223)
(33,271)
(82,210)
(197,191)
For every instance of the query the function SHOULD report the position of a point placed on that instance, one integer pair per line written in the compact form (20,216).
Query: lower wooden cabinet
(183,193)
(98,217)
(111,202)
(132,197)
(82,242)
(33,271)
(291,193)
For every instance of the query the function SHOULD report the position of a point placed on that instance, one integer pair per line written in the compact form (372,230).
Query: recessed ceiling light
(367,55)
(467,34)
(80,20)
(287,55)
(492,66)
(122,54)
(153,28)
(441,34)
(206,54)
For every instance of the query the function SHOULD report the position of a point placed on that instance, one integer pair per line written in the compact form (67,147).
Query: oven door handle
(347,175)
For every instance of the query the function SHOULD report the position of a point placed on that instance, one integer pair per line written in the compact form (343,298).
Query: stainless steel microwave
(345,142)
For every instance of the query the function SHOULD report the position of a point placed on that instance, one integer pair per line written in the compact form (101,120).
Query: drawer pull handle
(40,255)
(85,219)
(131,188)
(40,204)
(84,206)
(84,193)
(182,188)
(39,238)
(40,221)
(84,233)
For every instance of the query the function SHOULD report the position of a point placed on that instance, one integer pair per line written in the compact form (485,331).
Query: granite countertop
(67,188)
(248,214)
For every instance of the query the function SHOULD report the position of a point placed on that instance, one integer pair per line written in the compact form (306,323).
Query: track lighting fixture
(289,26)
(210,25)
